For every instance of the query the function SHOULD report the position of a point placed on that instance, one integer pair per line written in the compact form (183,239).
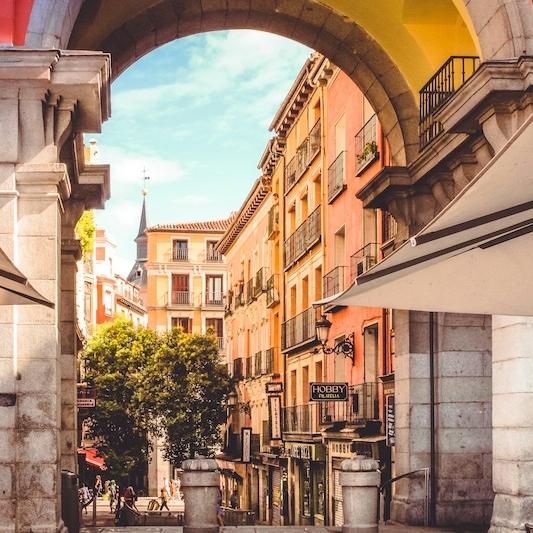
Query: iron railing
(305,154)
(303,239)
(336,179)
(298,418)
(272,290)
(362,406)
(363,259)
(334,281)
(438,90)
(366,145)
(299,329)
(181,298)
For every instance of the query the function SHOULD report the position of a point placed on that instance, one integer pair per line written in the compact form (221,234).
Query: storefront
(307,482)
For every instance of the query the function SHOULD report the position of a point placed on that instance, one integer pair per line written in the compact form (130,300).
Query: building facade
(185,287)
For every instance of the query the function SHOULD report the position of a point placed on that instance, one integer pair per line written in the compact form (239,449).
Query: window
(210,253)
(108,303)
(180,289)
(213,290)
(182,322)
(180,251)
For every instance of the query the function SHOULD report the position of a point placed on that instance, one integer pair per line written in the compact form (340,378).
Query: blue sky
(194,116)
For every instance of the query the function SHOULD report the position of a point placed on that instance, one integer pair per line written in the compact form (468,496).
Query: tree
(86,230)
(188,387)
(171,386)
(113,360)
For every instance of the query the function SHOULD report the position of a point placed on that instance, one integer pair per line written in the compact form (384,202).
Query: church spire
(137,274)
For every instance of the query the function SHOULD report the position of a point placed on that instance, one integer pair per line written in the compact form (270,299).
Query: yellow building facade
(186,282)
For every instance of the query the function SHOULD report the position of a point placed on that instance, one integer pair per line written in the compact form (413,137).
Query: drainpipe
(433,458)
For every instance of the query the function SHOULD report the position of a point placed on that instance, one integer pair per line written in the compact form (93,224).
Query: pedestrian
(164,499)
(112,492)
(220,511)
(98,487)
(129,498)
(234,499)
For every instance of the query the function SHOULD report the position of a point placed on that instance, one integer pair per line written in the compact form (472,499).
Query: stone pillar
(462,417)
(201,484)
(512,367)
(47,95)
(360,478)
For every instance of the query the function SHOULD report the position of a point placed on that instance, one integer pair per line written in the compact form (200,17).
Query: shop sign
(302,451)
(246,440)
(274,405)
(336,392)
(389,420)
(274,387)
(86,402)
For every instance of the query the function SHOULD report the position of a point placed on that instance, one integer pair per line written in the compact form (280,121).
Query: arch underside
(388,55)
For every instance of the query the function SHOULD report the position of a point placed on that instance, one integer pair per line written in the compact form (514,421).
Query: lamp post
(345,347)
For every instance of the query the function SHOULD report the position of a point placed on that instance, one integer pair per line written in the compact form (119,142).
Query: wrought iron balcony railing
(272,290)
(299,419)
(363,259)
(362,406)
(334,281)
(366,146)
(299,329)
(336,178)
(303,239)
(439,89)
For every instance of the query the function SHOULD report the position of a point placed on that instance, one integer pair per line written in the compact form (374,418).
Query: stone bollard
(360,479)
(200,484)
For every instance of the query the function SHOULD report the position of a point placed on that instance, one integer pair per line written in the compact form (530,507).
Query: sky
(193,118)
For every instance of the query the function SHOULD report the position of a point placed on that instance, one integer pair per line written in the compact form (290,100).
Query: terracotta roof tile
(208,226)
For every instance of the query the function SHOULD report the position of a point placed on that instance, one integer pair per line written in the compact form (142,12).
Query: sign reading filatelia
(332,392)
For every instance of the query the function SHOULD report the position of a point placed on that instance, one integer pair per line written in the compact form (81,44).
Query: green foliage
(86,230)
(188,385)
(113,360)
(172,386)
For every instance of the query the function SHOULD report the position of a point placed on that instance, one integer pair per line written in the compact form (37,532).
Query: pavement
(99,519)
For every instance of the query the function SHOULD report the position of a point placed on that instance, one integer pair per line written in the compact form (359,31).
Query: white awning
(476,256)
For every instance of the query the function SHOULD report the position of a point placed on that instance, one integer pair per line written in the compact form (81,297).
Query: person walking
(98,487)
(164,499)
(129,498)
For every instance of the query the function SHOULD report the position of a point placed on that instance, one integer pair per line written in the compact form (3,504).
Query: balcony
(334,281)
(299,330)
(270,361)
(258,358)
(303,239)
(363,259)
(213,257)
(361,408)
(250,296)
(180,254)
(305,154)
(438,90)
(214,299)
(299,419)
(235,368)
(185,298)
(260,284)
(273,222)
(272,292)
(249,368)
(336,181)
(366,146)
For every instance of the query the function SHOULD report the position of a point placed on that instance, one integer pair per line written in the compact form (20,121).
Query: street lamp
(345,347)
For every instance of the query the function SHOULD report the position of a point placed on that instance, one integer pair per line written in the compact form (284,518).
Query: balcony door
(213,290)
(180,289)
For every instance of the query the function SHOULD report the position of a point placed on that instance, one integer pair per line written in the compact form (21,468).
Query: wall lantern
(345,347)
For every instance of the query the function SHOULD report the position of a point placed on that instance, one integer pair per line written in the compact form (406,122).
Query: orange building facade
(301,227)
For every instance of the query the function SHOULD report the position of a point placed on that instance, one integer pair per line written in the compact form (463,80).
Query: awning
(91,459)
(14,286)
(476,256)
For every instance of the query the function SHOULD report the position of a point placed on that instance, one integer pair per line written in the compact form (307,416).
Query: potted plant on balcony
(369,150)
